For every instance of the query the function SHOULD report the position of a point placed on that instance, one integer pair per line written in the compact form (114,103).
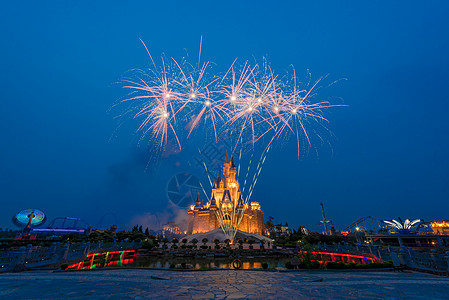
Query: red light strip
(341,254)
(90,258)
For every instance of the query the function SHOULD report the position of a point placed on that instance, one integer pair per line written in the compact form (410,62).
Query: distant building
(112,230)
(171,229)
(281,229)
(225,193)
(441,227)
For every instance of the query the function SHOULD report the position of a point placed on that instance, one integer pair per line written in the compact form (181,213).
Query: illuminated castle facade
(226,196)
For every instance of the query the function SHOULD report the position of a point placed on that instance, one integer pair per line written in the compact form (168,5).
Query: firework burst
(250,100)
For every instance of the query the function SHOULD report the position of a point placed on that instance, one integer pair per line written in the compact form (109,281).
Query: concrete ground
(221,284)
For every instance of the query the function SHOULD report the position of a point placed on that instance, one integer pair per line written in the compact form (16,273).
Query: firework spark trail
(207,172)
(240,159)
(204,191)
(257,173)
(247,171)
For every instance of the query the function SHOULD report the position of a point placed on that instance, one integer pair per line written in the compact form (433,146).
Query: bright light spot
(167,95)
(294,111)
(276,108)
(357,228)
(192,96)
(259,100)
(250,108)
(233,98)
(207,103)
(165,115)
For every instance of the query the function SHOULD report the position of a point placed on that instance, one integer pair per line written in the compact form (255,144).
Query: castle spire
(197,203)
(212,201)
(240,200)
(226,158)
(215,181)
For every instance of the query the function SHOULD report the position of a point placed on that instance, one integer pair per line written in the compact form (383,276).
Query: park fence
(34,257)
(424,260)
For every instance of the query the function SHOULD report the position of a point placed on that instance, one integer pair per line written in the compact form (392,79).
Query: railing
(378,252)
(37,257)
(430,261)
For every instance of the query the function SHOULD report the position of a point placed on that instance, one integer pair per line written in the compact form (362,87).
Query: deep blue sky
(61,151)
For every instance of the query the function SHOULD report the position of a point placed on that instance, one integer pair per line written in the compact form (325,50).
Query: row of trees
(292,240)
(137,234)
(165,243)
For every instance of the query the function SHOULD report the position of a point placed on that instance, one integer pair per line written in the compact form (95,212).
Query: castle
(226,202)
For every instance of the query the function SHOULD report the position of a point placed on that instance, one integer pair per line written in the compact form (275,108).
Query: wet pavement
(221,284)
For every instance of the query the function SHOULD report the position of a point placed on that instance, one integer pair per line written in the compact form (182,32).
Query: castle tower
(225,198)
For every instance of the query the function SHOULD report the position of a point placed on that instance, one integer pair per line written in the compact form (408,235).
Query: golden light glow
(227,209)
(192,207)
(165,115)
(192,96)
(233,98)
(207,103)
(255,206)
(439,224)
(167,95)
(294,111)
(276,109)
(259,100)
(250,108)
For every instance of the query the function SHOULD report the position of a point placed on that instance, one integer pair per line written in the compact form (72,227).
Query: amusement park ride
(27,219)
(370,224)
(324,222)
(30,219)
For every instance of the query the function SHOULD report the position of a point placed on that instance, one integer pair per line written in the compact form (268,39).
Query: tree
(134,235)
(175,241)
(73,237)
(307,258)
(93,236)
(205,240)
(140,228)
(194,242)
(123,235)
(148,244)
(156,242)
(269,225)
(147,232)
(217,242)
(239,241)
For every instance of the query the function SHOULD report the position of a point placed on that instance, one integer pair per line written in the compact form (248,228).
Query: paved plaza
(221,284)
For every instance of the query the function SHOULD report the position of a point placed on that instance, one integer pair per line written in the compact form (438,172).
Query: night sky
(64,152)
